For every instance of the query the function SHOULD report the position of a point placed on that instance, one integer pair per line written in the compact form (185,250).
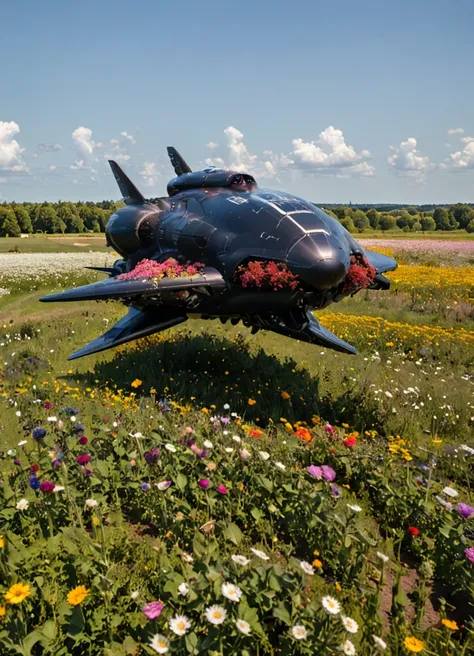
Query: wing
(112,288)
(381,263)
(130,194)
(178,162)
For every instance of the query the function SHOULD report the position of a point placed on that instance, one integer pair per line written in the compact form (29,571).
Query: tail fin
(131,195)
(178,162)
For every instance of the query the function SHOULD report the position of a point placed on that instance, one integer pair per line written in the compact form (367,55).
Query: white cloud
(273,164)
(240,158)
(215,161)
(330,154)
(467,139)
(456,131)
(114,142)
(52,167)
(11,153)
(125,135)
(77,166)
(408,161)
(150,174)
(82,138)
(48,148)
(462,159)
(212,145)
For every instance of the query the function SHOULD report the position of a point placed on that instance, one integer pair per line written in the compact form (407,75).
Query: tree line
(67,217)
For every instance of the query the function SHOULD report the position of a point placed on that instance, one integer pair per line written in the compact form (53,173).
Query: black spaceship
(218,247)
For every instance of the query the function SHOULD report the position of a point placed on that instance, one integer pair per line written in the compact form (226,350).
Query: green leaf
(282,613)
(130,646)
(30,641)
(181,481)
(445,530)
(266,483)
(256,514)
(49,629)
(191,641)
(233,533)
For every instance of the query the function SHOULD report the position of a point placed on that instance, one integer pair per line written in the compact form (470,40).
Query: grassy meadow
(209,491)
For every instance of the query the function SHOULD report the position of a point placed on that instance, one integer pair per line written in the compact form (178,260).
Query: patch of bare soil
(409,582)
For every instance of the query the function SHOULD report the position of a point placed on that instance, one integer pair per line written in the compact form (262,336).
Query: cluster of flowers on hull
(170,268)
(275,275)
(360,275)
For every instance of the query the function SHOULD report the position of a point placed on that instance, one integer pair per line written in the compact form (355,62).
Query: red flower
(304,434)
(360,275)
(414,531)
(48,405)
(83,440)
(350,441)
(34,468)
(83,460)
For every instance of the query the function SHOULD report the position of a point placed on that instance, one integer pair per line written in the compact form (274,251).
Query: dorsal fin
(178,162)
(131,195)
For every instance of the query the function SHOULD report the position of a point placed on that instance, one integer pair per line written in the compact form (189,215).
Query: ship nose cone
(320,261)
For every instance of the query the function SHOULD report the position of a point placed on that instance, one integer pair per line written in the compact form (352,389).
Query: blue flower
(145,487)
(78,428)
(39,433)
(34,482)
(70,411)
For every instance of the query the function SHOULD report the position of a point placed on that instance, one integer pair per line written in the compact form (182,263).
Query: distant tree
(70,216)
(470,226)
(374,219)
(330,213)
(360,220)
(23,219)
(8,224)
(427,223)
(48,221)
(387,222)
(339,212)
(348,224)
(444,220)
(462,214)
(412,210)
(406,228)
(416,226)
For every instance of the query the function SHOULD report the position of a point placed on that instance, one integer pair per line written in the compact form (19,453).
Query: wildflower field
(208,491)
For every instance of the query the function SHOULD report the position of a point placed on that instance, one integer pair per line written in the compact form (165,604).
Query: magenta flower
(47,486)
(470,554)
(335,490)
(83,440)
(465,511)
(204,483)
(83,460)
(222,489)
(328,473)
(153,609)
(315,471)
(329,429)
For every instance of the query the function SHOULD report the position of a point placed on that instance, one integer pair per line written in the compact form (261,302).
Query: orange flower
(304,434)
(285,395)
(136,383)
(317,563)
(450,624)
(255,432)
(251,402)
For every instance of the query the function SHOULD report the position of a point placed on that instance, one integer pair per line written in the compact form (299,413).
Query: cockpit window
(243,181)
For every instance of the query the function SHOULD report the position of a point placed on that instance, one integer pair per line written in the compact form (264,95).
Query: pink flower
(188,430)
(204,483)
(222,489)
(133,463)
(329,429)
(465,511)
(315,471)
(470,554)
(328,473)
(244,454)
(83,460)
(153,609)
(47,486)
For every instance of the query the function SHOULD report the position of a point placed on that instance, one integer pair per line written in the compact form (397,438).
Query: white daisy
(159,643)
(260,554)
(164,485)
(229,449)
(183,589)
(331,605)
(280,465)
(91,503)
(245,454)
(226,406)
(237,439)
(18,413)
(354,508)
(52,419)
(379,642)
(59,488)
(383,557)
(240,560)
(135,594)
(231,591)
(208,444)
(264,455)
(348,648)
(299,632)
(306,567)
(72,418)
(243,626)
(187,557)
(450,492)
(23,442)
(468,449)
(215,614)
(22,504)
(180,624)
(350,625)
(170,447)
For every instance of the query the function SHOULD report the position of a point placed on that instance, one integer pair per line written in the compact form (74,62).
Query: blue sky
(336,101)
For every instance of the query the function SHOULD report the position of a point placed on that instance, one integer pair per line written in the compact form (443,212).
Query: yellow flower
(3,610)
(338,586)
(451,624)
(315,552)
(17,593)
(317,563)
(77,595)
(285,395)
(251,402)
(2,542)
(136,383)
(413,644)
(95,520)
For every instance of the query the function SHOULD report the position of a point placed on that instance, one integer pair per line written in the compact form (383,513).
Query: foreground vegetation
(206,491)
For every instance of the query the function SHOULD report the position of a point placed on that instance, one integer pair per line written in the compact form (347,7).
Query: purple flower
(39,433)
(56,462)
(16,462)
(47,487)
(315,471)
(335,490)
(222,489)
(202,454)
(78,428)
(88,472)
(465,511)
(34,483)
(470,554)
(146,487)
(225,420)
(83,440)
(152,456)
(204,483)
(328,473)
(153,609)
